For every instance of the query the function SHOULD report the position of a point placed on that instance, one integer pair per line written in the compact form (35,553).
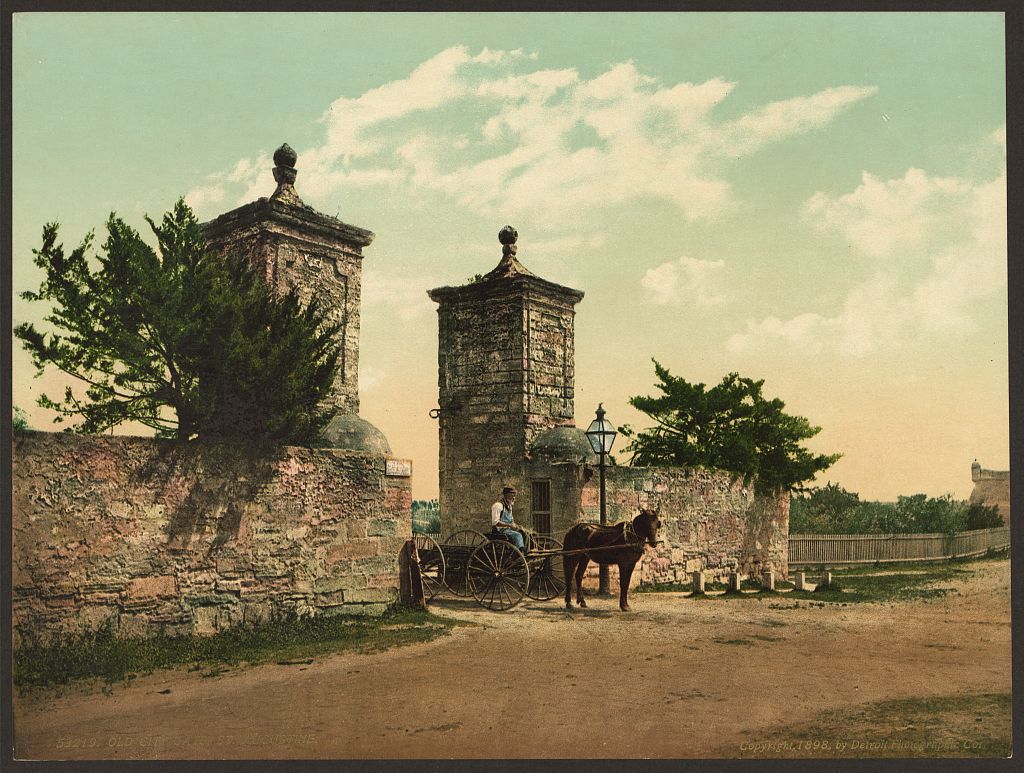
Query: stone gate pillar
(296,247)
(505,374)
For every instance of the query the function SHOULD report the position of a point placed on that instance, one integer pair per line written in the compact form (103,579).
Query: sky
(813,199)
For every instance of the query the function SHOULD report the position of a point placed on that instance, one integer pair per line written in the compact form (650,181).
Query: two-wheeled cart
(490,568)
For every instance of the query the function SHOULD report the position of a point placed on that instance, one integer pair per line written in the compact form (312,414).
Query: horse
(622,544)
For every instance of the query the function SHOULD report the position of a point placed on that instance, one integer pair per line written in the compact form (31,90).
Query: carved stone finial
(284,171)
(285,156)
(508,236)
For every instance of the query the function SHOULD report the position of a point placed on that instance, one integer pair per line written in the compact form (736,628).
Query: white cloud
(883,217)
(802,331)
(205,196)
(939,245)
(255,174)
(788,117)
(496,133)
(685,281)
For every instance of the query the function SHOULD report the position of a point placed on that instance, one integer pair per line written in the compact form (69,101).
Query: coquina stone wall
(505,374)
(149,536)
(711,522)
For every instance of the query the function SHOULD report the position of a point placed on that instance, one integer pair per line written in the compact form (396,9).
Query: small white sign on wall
(398,468)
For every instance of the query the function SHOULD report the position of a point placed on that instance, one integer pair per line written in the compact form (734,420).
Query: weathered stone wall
(505,374)
(711,522)
(566,483)
(150,536)
(992,487)
(550,361)
(481,394)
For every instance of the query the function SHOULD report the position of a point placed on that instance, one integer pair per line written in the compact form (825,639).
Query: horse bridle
(632,539)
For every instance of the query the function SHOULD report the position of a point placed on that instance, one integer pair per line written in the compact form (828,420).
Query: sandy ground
(674,678)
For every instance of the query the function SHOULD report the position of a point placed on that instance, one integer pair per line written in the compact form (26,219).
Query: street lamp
(601,435)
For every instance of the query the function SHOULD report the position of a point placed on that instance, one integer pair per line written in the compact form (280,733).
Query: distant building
(991,487)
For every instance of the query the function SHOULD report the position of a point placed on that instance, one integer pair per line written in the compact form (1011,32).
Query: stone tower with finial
(296,247)
(505,374)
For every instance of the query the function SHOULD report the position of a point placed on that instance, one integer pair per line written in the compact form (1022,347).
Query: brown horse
(621,544)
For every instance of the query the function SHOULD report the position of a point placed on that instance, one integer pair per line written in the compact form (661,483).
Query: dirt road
(674,678)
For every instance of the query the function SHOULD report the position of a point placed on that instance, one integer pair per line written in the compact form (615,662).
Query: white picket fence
(868,548)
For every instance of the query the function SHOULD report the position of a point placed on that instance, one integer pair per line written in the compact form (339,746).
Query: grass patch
(663,587)
(903,566)
(899,586)
(103,656)
(879,582)
(866,587)
(946,726)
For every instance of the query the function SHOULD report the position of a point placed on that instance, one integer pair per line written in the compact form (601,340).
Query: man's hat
(508,490)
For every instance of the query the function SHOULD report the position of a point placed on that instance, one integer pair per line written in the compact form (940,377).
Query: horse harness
(630,540)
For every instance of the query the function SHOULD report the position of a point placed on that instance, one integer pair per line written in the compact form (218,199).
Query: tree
(180,340)
(426,516)
(19,421)
(267,362)
(982,516)
(730,426)
(833,510)
(821,510)
(922,514)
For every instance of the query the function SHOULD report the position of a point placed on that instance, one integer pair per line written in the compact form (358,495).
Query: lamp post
(601,435)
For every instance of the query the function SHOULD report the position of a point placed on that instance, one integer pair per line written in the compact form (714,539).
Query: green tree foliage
(180,339)
(982,516)
(833,510)
(268,361)
(730,426)
(19,421)
(820,510)
(426,516)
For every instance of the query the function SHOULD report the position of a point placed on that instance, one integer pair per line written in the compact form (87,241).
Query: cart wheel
(457,549)
(547,569)
(432,565)
(498,575)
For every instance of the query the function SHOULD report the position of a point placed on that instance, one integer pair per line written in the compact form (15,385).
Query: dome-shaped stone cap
(352,433)
(563,444)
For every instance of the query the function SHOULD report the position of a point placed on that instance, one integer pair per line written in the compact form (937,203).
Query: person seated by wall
(502,521)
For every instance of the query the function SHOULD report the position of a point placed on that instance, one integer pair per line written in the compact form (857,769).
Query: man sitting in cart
(502,521)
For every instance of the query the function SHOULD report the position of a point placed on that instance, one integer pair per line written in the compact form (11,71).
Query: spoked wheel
(547,569)
(432,565)
(458,547)
(498,575)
